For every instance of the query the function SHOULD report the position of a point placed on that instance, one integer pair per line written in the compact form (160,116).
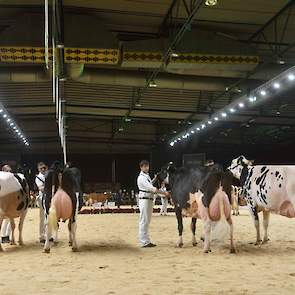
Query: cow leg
(193,229)
(232,247)
(70,233)
(266,214)
(180,226)
(48,234)
(73,234)
(20,228)
(12,225)
(1,220)
(257,226)
(207,229)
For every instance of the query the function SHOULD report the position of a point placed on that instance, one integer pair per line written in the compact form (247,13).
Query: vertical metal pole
(46,36)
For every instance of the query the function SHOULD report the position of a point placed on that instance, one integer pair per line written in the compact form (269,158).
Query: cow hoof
(51,240)
(207,251)
(202,239)
(75,249)
(70,244)
(233,251)
(179,245)
(258,243)
(21,243)
(46,251)
(12,243)
(265,241)
(195,244)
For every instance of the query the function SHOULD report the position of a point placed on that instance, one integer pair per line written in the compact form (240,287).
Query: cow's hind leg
(207,229)
(257,226)
(180,226)
(48,235)
(73,234)
(1,221)
(70,233)
(20,227)
(266,214)
(12,225)
(193,229)
(232,247)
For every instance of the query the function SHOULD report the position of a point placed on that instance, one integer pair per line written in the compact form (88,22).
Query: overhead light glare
(263,92)
(291,77)
(241,105)
(276,85)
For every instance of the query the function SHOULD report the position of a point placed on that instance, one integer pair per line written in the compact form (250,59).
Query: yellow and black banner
(72,55)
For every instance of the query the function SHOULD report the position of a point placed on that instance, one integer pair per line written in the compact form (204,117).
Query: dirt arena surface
(109,260)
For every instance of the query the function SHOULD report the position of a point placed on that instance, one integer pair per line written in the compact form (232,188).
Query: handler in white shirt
(146,197)
(6,227)
(40,182)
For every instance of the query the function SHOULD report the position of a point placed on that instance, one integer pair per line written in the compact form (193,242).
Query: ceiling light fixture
(211,2)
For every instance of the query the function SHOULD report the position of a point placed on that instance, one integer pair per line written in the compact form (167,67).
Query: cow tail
(52,219)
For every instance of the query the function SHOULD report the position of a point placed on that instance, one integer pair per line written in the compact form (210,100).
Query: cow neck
(244,174)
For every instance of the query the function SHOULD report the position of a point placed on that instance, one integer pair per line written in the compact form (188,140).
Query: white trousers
(164,206)
(145,216)
(5,228)
(41,219)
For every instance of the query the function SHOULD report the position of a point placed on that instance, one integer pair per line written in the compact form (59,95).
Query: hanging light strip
(261,93)
(13,127)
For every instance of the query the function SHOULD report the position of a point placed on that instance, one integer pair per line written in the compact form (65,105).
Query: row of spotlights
(224,114)
(13,126)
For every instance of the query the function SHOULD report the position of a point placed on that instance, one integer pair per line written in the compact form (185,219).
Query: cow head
(237,166)
(163,175)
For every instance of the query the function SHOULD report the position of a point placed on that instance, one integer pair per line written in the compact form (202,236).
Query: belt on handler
(146,198)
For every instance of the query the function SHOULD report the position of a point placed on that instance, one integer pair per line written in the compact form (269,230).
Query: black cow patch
(263,169)
(20,206)
(280,185)
(277,173)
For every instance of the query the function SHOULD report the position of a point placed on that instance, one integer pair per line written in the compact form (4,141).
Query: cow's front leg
(232,247)
(193,229)
(179,225)
(257,226)
(266,214)
(20,228)
(12,225)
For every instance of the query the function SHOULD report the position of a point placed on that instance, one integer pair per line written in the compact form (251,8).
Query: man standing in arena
(40,182)
(146,197)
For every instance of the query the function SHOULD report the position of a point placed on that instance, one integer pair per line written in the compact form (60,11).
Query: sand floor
(109,260)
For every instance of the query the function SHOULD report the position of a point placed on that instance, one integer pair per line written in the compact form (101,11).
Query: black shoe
(5,240)
(150,245)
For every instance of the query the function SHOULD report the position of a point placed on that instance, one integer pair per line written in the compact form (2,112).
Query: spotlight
(263,92)
(174,54)
(209,122)
(232,110)
(276,85)
(241,105)
(203,126)
(11,124)
(291,77)
(8,120)
(224,115)
(1,111)
(211,2)
(152,84)
(138,104)
(4,116)
(172,143)
(198,129)
(179,139)
(252,98)
(192,132)
(216,118)
(121,129)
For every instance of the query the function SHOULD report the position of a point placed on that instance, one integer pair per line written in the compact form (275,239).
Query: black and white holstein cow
(267,188)
(62,200)
(14,201)
(198,193)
